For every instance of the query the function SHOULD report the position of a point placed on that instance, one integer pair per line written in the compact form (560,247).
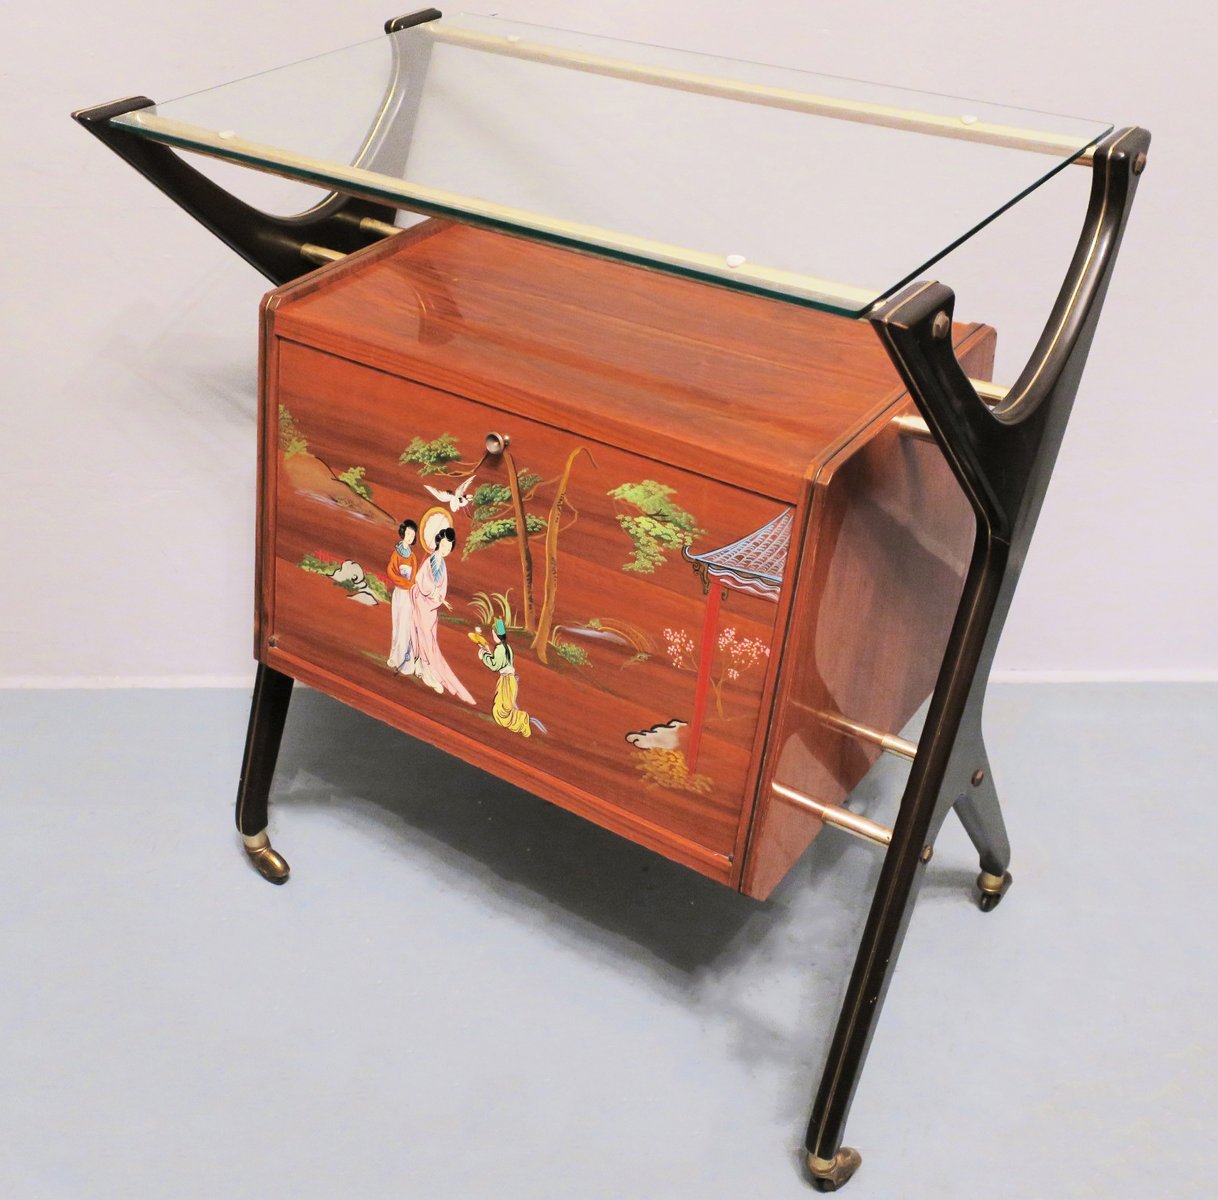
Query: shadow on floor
(334,756)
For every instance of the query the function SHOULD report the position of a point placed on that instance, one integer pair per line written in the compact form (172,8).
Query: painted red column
(706,654)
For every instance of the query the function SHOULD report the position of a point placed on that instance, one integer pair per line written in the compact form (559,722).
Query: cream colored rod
(964,127)
(839,818)
(276,161)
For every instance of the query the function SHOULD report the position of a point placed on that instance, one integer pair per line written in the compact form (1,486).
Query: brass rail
(962,127)
(886,741)
(320,254)
(913,425)
(838,817)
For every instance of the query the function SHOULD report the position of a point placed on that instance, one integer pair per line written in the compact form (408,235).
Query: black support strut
(268,243)
(1002,457)
(410,20)
(272,244)
(268,714)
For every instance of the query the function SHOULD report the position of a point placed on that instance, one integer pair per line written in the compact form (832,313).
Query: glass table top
(824,191)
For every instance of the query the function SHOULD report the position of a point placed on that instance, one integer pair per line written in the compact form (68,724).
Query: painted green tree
(437,457)
(496,509)
(498,514)
(291,440)
(491,500)
(654,522)
(353,477)
(489,531)
(491,508)
(559,506)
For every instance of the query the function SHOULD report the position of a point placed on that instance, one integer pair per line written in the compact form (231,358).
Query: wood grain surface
(742,388)
(645,413)
(882,572)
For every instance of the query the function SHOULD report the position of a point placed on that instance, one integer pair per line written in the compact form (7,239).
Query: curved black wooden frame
(1002,455)
(268,243)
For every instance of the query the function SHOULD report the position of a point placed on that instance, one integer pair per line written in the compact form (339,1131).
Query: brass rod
(962,126)
(384,228)
(990,392)
(838,817)
(912,425)
(320,254)
(886,741)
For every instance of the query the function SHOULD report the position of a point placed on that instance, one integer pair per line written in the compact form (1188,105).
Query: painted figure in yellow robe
(499,658)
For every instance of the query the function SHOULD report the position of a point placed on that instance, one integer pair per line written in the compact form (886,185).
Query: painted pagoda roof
(753,564)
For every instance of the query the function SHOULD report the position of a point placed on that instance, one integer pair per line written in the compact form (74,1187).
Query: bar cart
(592,474)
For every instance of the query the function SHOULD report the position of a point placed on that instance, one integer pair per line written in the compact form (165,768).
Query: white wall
(127,422)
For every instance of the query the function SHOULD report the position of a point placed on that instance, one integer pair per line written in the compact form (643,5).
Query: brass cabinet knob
(497,443)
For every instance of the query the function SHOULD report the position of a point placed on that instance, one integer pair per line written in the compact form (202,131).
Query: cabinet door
(627,680)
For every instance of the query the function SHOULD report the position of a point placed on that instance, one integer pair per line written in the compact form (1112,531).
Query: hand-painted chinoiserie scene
(643,547)
(608,617)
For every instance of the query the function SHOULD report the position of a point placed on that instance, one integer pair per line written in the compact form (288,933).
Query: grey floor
(463,992)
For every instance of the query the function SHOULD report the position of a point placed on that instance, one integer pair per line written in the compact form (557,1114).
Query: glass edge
(411,205)
(128,122)
(297,62)
(975,229)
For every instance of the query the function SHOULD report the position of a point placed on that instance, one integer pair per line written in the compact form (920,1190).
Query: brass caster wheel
(268,861)
(993,888)
(829,1174)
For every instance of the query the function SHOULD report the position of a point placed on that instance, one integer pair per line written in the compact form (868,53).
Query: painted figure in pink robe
(430,592)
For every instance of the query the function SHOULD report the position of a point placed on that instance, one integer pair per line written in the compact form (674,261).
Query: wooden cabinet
(728,546)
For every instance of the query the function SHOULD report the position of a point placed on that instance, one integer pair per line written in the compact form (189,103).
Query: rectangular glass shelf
(819,190)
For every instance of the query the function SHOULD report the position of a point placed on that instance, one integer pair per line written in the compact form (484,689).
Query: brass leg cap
(829,1174)
(993,888)
(269,863)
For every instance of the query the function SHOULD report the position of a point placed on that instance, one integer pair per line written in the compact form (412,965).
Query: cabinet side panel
(889,542)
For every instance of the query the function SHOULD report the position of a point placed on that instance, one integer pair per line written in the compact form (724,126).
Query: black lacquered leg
(1003,458)
(268,712)
(981,816)
(938,773)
